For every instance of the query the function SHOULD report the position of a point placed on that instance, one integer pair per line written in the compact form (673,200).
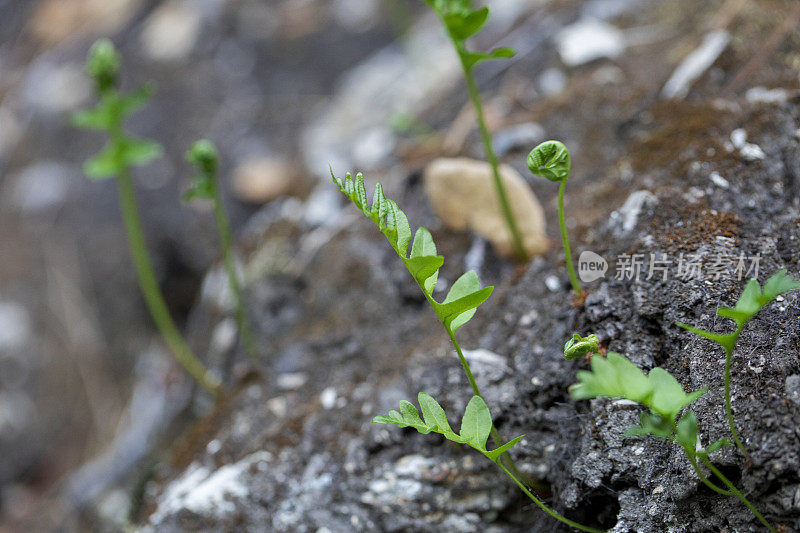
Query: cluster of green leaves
(476,424)
(463,22)
(579,346)
(122,151)
(615,376)
(752,300)
(423,263)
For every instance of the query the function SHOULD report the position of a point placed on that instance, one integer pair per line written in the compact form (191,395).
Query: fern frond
(476,424)
(423,263)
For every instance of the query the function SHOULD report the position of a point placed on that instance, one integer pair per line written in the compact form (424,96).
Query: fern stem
(505,205)
(576,286)
(737,493)
(547,509)
(728,407)
(226,242)
(150,289)
(703,478)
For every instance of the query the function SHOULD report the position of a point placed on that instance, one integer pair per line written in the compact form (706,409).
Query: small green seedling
(752,300)
(615,376)
(458,307)
(120,153)
(579,346)
(462,22)
(551,160)
(203,155)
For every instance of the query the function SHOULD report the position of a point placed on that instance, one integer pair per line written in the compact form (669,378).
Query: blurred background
(88,396)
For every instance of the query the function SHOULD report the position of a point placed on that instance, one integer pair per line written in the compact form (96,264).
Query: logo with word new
(591,267)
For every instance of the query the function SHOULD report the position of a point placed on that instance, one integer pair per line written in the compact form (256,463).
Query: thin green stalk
(576,286)
(151,291)
(545,508)
(736,492)
(703,478)
(505,205)
(728,407)
(226,242)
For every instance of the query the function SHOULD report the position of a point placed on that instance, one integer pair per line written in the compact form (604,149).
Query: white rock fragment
(207,493)
(292,381)
(552,283)
(15,326)
(487,357)
(462,194)
(762,95)
(719,181)
(624,219)
(587,40)
(171,31)
(752,152)
(41,186)
(55,88)
(695,64)
(738,138)
(552,81)
(524,135)
(328,398)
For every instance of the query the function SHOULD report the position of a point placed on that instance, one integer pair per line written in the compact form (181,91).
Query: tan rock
(262,179)
(463,195)
(171,31)
(54,21)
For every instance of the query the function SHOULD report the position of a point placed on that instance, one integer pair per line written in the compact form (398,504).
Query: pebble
(328,398)
(41,186)
(552,82)
(695,64)
(525,136)
(719,181)
(553,283)
(462,194)
(587,40)
(171,31)
(625,217)
(56,88)
(262,179)
(15,326)
(762,95)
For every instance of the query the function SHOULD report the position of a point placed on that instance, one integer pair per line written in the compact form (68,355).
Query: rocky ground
(703,166)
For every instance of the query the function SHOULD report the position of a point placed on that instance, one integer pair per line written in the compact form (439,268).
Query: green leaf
(462,26)
(433,414)
(669,397)
(650,424)
(379,207)
(476,423)
(422,268)
(716,445)
(752,300)
(495,455)
(579,346)
(464,297)
(617,377)
(550,160)
(686,435)
(104,165)
(361,195)
(139,151)
(97,118)
(130,103)
(473,58)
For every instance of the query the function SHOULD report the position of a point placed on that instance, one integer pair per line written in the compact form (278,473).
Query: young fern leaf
(615,376)
(752,300)
(423,263)
(462,22)
(579,346)
(476,424)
